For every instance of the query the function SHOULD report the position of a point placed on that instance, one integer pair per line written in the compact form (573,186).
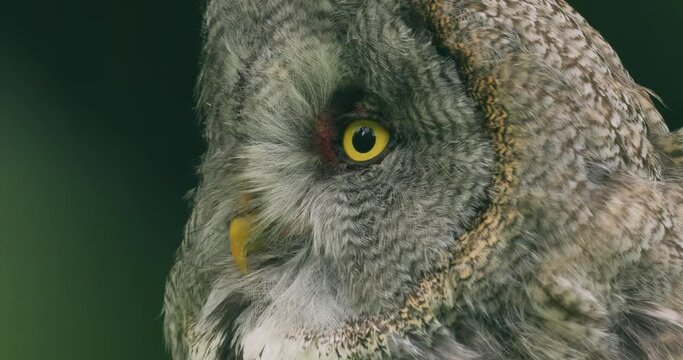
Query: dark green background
(99,143)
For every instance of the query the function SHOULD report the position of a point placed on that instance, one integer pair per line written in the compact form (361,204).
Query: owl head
(353,146)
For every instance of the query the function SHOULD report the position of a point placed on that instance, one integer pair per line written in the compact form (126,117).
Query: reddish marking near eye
(326,128)
(325,135)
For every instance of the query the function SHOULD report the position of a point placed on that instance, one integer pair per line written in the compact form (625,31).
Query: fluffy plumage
(531,208)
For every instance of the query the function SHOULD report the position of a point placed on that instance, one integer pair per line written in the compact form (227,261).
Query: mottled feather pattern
(532,207)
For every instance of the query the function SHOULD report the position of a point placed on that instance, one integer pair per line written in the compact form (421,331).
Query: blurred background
(99,143)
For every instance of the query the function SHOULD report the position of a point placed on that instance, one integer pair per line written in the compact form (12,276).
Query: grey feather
(530,205)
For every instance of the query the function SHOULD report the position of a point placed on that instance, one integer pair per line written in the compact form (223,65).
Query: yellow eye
(365,140)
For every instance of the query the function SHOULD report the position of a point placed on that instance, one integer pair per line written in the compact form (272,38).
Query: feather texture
(531,207)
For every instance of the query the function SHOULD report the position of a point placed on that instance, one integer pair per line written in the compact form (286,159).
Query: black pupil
(364,139)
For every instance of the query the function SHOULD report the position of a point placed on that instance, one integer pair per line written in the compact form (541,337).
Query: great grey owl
(426,179)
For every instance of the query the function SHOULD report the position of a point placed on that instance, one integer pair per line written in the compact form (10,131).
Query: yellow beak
(240,231)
